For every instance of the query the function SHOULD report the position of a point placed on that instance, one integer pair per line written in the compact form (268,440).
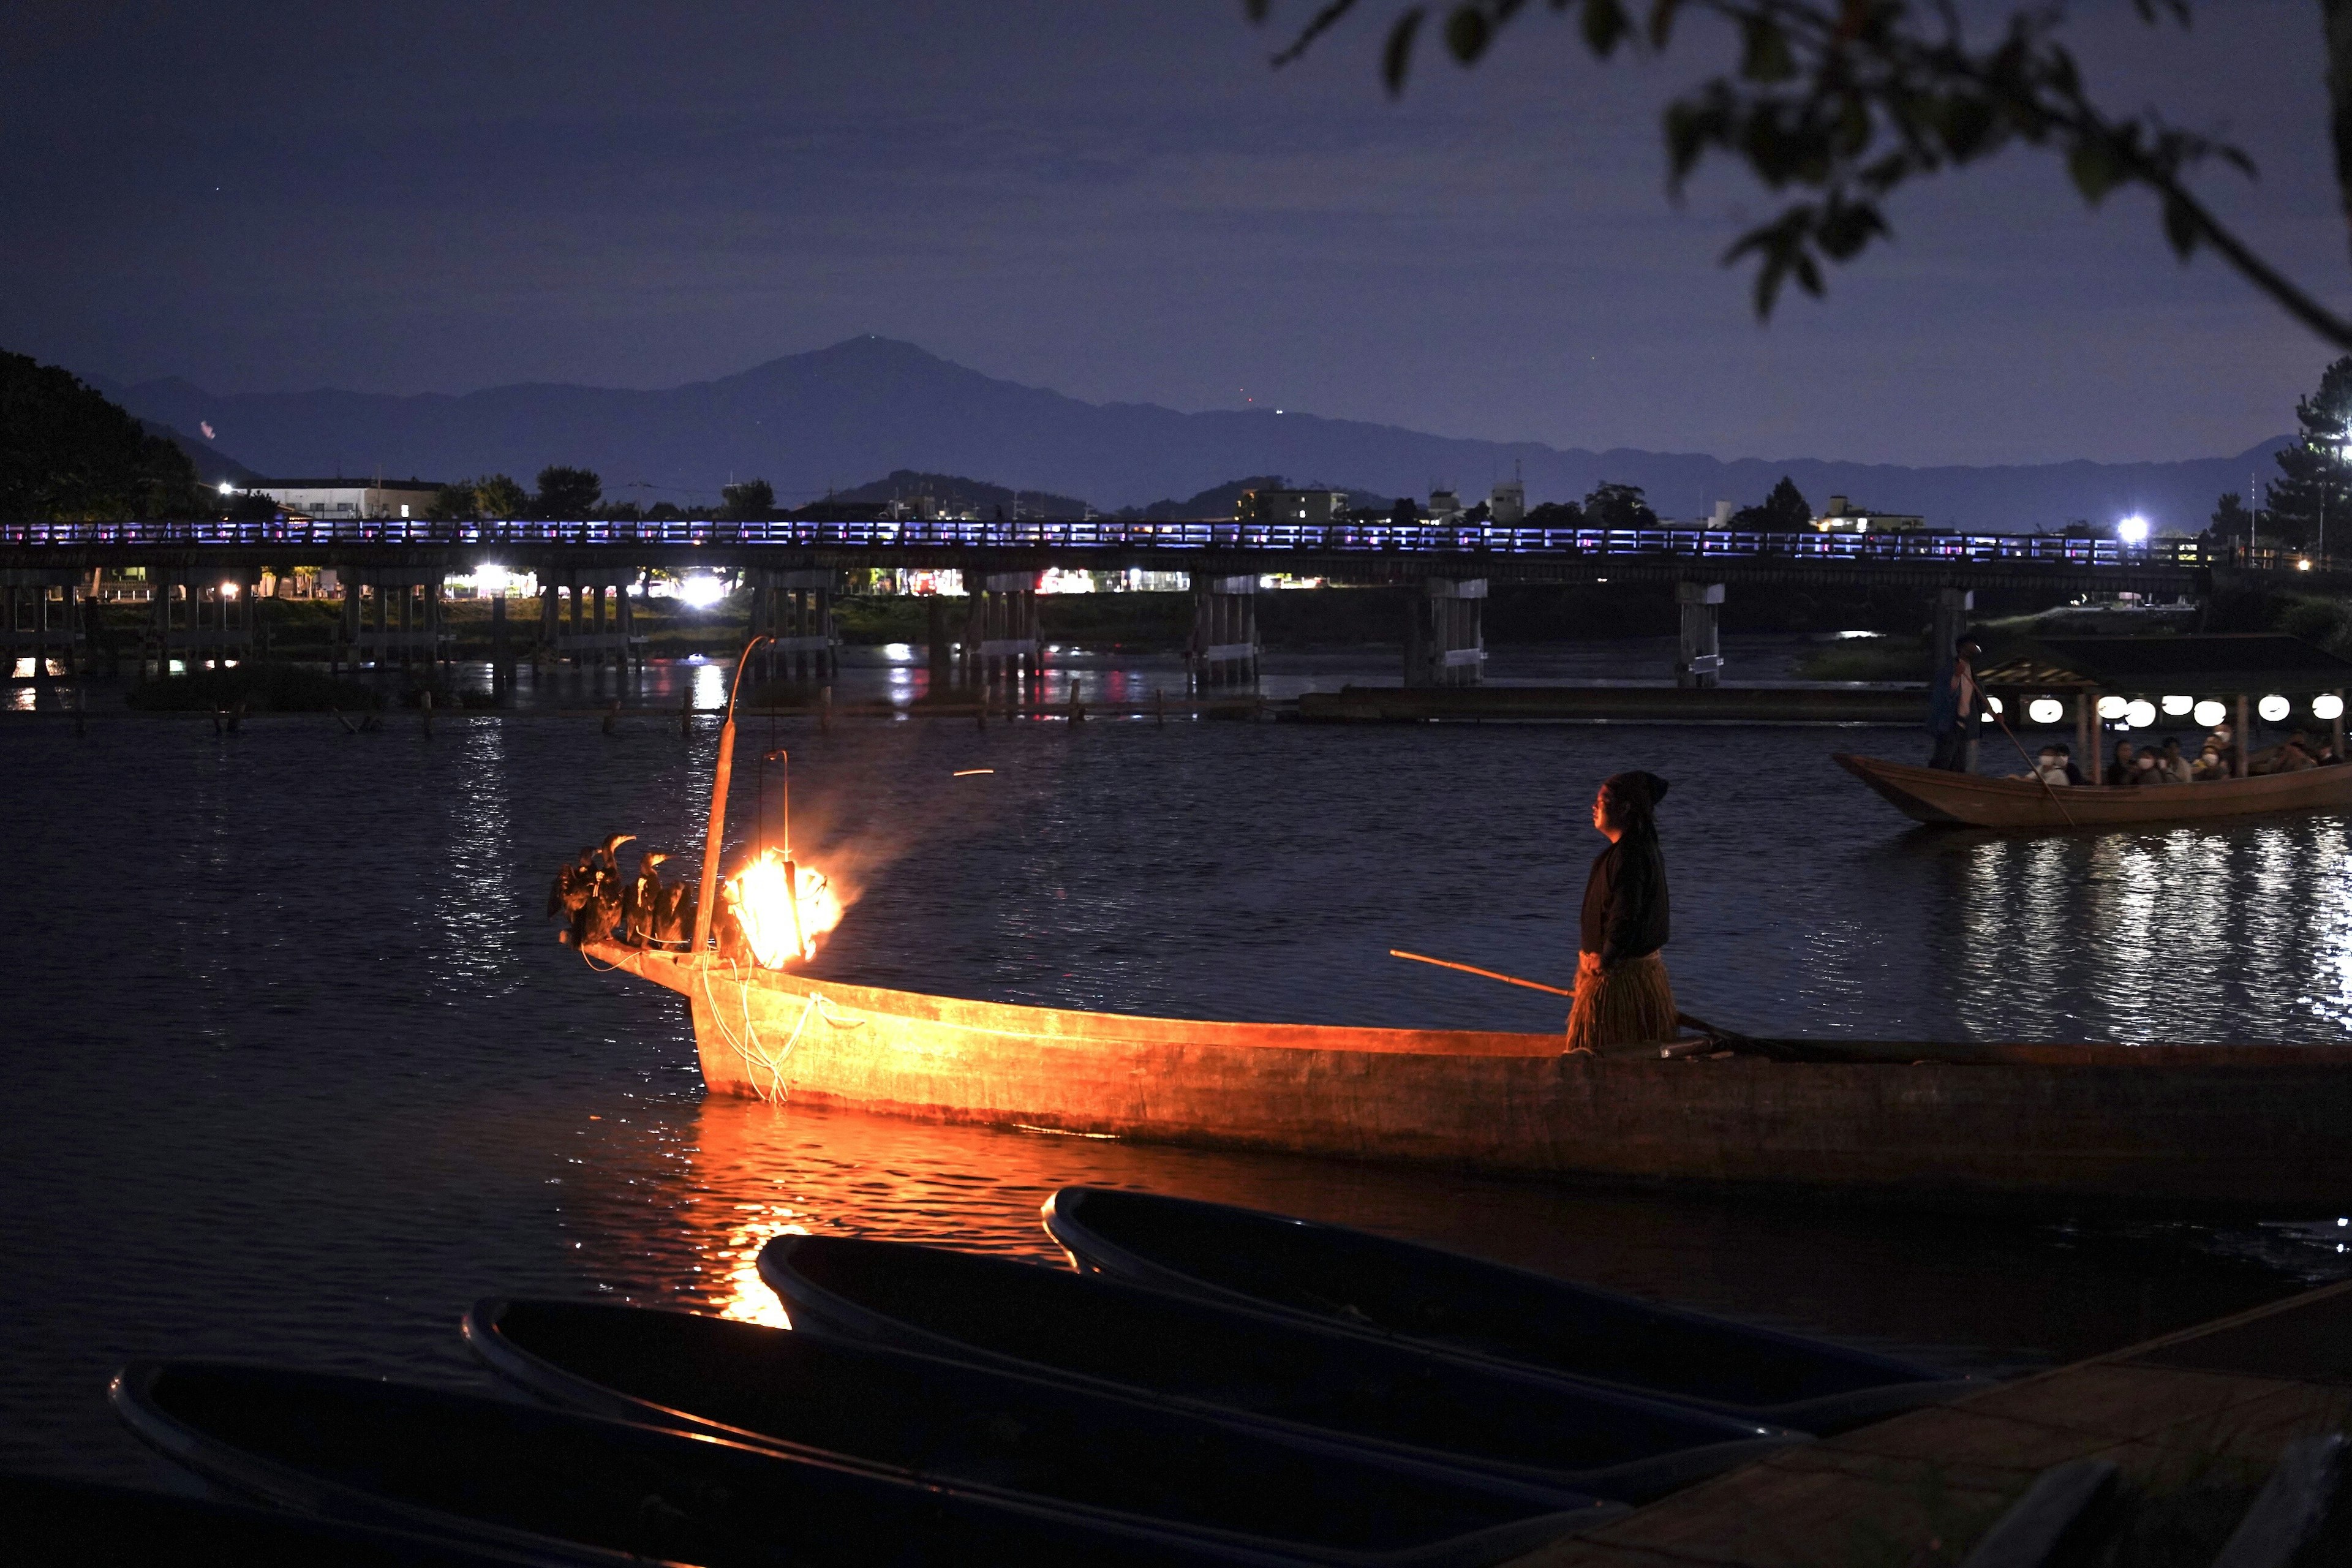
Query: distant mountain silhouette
(956,493)
(212,465)
(831,418)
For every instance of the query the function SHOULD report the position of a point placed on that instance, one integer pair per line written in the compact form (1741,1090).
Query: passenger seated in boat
(2212,763)
(1623,994)
(2125,767)
(2067,761)
(2047,768)
(2294,755)
(2171,767)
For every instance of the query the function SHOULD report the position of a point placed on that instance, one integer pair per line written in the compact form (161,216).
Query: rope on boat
(755,1054)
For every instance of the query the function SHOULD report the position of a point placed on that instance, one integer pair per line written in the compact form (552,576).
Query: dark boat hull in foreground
(46,1522)
(1370,1284)
(983,1430)
(525,1478)
(1264,1367)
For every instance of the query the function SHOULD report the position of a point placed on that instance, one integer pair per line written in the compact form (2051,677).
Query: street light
(2133,529)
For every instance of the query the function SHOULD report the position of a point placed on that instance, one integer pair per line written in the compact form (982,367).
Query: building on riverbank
(338,499)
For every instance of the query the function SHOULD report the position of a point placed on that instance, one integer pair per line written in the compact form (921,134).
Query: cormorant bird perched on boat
(604,910)
(572,880)
(1623,996)
(675,911)
(642,905)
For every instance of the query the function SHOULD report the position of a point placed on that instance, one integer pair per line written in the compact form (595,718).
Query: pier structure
(1000,633)
(1222,650)
(592,641)
(196,615)
(794,610)
(46,613)
(1445,638)
(1698,647)
(392,614)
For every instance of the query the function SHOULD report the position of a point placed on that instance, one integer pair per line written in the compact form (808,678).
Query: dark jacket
(1625,900)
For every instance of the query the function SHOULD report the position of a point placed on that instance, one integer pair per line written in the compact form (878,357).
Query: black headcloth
(1633,796)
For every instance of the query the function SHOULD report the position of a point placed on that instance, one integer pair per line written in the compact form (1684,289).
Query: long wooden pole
(1483,973)
(709,897)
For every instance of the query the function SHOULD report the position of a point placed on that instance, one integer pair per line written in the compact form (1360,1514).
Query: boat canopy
(2220,663)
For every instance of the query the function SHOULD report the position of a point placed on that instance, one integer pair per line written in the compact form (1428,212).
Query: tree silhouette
(1785,510)
(68,455)
(567,493)
(2315,487)
(1842,102)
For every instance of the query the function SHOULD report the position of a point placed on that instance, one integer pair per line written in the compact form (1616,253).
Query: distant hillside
(212,465)
(955,493)
(872,405)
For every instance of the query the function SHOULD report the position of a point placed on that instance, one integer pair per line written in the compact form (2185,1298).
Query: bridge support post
(1223,644)
(1445,637)
(501,661)
(1944,629)
(1001,628)
(1698,647)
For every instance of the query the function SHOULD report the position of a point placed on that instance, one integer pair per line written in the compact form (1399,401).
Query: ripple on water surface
(296,1070)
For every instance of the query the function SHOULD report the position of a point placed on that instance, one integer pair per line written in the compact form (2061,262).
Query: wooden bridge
(794,567)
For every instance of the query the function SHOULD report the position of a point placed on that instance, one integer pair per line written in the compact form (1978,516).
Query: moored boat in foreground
(1468,1306)
(1267,1369)
(524,1478)
(985,1430)
(2232,1129)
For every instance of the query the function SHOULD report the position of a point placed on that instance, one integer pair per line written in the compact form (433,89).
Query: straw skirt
(1629,1005)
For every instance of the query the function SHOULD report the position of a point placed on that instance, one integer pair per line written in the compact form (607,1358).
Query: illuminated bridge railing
(1175,538)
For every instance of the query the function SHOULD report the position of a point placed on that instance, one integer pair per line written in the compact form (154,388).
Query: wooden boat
(1935,796)
(1375,1285)
(986,1431)
(1266,1368)
(2175,1130)
(89,1525)
(523,1477)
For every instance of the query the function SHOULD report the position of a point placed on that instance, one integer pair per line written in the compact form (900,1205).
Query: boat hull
(2174,1128)
(1939,796)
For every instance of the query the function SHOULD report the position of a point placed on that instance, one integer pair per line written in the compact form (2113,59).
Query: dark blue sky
(1114,198)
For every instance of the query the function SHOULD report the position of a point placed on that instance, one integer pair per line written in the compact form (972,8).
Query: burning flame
(784,907)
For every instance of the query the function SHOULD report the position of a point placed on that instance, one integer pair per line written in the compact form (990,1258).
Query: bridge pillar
(31,629)
(1699,650)
(795,608)
(1222,648)
(1001,626)
(1949,620)
(1445,637)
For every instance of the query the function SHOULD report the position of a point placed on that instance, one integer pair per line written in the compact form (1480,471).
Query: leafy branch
(1840,103)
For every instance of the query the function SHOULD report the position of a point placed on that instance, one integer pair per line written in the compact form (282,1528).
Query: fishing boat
(2262,1131)
(2176,1130)
(540,1482)
(984,1430)
(1376,1285)
(1264,1368)
(1943,797)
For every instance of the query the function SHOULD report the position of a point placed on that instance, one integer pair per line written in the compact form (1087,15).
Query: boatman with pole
(1952,704)
(1623,995)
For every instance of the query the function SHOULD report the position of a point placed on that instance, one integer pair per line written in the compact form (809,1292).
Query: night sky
(1117,199)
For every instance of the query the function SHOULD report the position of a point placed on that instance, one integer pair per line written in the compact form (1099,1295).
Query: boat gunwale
(1941,796)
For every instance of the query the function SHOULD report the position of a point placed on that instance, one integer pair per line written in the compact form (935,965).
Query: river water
(296,1069)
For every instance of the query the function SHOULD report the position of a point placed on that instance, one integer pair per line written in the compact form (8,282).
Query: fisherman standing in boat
(1623,995)
(1952,709)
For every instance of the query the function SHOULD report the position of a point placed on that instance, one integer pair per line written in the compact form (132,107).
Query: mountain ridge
(832,418)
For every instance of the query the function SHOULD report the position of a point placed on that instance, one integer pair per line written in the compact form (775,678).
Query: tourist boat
(1377,1285)
(546,1486)
(1280,1373)
(1936,795)
(2264,1130)
(980,1429)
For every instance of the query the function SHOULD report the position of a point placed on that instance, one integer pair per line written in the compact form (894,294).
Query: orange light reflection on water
(741,1294)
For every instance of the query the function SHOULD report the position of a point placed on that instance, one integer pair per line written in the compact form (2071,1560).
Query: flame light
(785,908)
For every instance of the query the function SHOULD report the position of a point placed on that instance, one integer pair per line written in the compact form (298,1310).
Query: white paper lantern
(2112,708)
(2174,707)
(2273,707)
(2045,711)
(2210,713)
(2139,715)
(2327,705)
